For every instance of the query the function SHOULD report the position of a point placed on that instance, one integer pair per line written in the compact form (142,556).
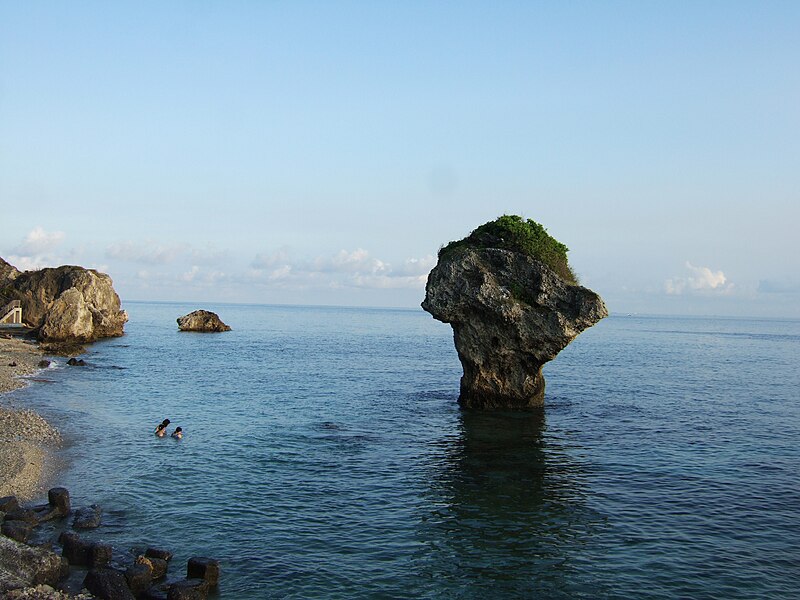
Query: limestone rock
(8,273)
(68,304)
(510,315)
(203,321)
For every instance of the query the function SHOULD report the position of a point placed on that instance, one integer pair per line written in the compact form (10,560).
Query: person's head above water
(165,422)
(178,433)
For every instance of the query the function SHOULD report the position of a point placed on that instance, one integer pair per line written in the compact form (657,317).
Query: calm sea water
(326,457)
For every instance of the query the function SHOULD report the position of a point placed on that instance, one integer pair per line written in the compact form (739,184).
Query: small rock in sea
(188,589)
(75,362)
(203,568)
(43,364)
(107,583)
(202,321)
(88,517)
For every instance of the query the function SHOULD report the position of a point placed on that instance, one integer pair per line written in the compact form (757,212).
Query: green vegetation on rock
(511,232)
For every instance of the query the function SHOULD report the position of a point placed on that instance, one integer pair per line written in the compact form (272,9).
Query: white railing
(11,313)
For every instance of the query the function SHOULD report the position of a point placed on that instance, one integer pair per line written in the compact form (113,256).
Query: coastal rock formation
(203,321)
(510,312)
(8,273)
(68,304)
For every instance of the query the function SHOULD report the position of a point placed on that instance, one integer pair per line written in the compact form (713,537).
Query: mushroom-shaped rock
(203,321)
(513,303)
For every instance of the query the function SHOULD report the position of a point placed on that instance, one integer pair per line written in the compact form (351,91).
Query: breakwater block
(160,567)
(158,553)
(139,577)
(100,555)
(8,504)
(17,530)
(203,568)
(108,584)
(80,552)
(188,589)
(26,515)
(88,517)
(58,498)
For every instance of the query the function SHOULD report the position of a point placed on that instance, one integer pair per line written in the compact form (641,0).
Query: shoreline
(27,440)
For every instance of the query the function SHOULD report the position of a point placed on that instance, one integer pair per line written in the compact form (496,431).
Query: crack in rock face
(510,315)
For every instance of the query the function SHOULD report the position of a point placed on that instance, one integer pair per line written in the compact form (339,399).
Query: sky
(322,152)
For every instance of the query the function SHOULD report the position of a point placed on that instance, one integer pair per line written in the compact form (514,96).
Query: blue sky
(320,153)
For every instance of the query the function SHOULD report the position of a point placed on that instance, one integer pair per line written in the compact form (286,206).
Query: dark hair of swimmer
(178,429)
(165,422)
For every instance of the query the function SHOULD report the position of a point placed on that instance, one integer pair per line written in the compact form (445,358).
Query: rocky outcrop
(203,321)
(68,304)
(510,315)
(8,273)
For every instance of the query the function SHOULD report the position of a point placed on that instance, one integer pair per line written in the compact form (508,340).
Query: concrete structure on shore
(11,313)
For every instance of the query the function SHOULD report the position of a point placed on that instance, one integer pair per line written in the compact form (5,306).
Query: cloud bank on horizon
(177,272)
(181,268)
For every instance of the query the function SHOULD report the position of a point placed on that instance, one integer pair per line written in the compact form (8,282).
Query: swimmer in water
(161,430)
(178,433)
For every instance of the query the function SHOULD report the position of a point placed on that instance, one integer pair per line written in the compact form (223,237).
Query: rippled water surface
(326,457)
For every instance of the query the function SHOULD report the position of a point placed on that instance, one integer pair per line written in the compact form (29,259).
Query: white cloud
(36,250)
(416,266)
(38,241)
(191,274)
(147,252)
(210,256)
(282,272)
(31,263)
(268,261)
(699,280)
(357,261)
(356,268)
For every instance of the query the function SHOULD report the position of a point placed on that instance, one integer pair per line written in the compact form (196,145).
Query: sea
(325,456)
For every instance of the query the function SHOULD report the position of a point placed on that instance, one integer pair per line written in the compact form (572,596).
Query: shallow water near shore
(326,457)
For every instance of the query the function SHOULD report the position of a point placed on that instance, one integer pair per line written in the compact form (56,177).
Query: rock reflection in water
(506,507)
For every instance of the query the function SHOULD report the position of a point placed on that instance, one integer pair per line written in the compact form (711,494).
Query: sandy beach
(25,437)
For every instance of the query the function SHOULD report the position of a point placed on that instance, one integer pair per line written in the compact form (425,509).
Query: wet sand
(25,437)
